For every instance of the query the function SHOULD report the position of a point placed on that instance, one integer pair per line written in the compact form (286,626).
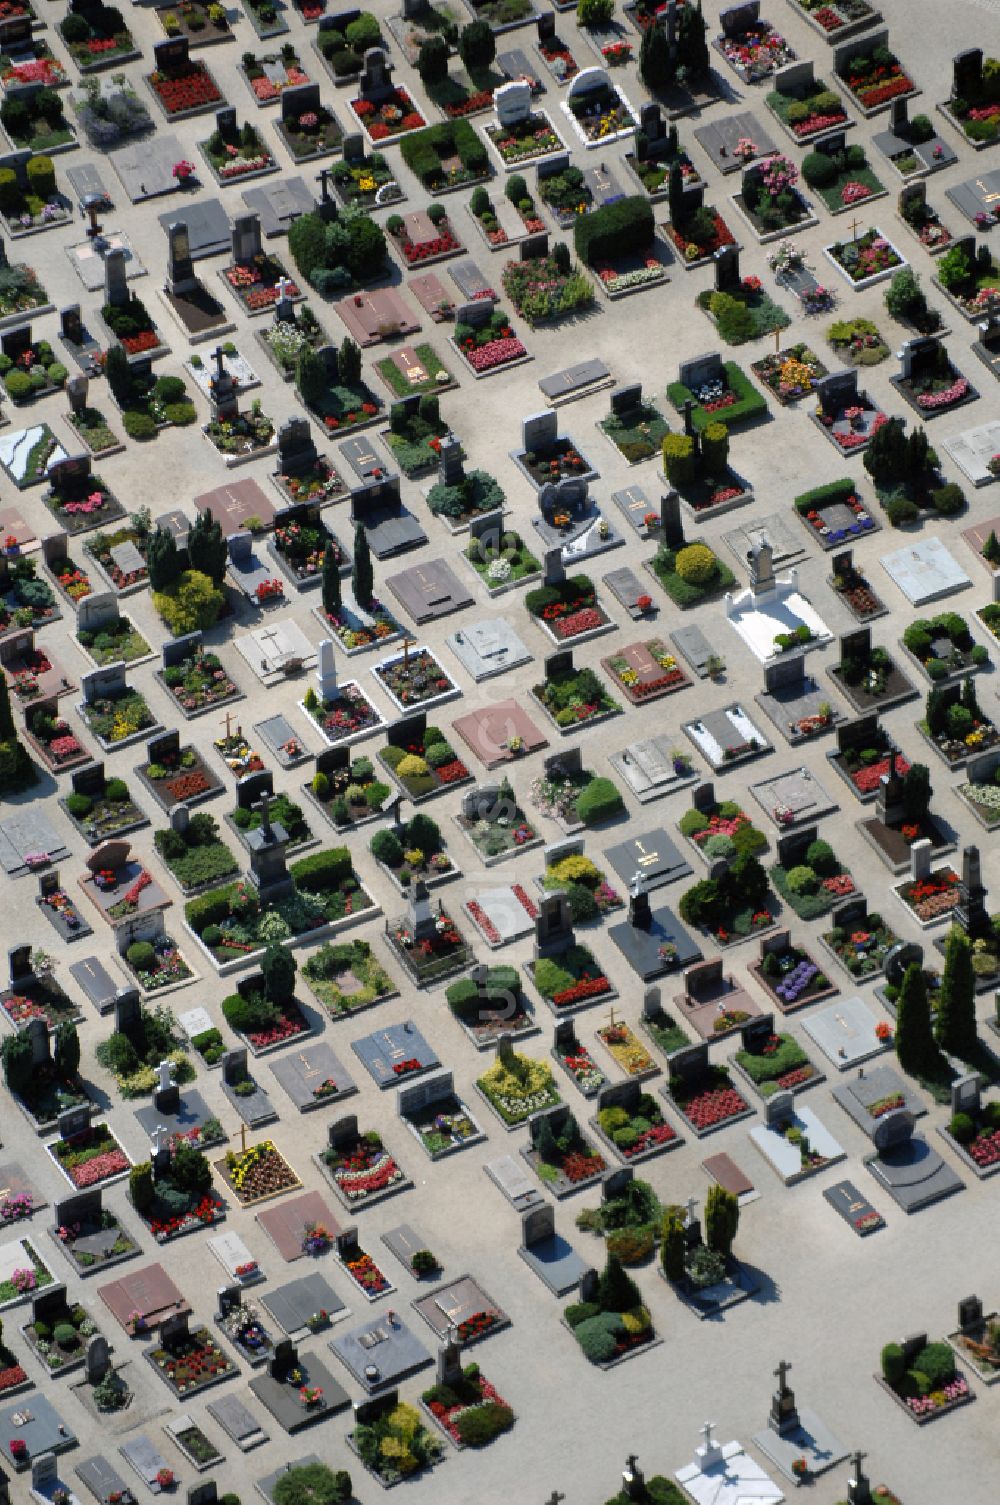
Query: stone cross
(706,1432)
(166,1075)
(323,179)
(780,1375)
(156,1138)
(264,806)
(219,357)
(692,1203)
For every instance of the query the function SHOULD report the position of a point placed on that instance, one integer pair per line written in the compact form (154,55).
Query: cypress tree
(349,363)
(67,1049)
(331,580)
(206,547)
(915,1045)
(362,579)
(163,562)
(656,68)
(722,1218)
(955,1021)
(616,1290)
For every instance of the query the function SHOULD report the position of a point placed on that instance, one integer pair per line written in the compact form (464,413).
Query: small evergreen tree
(278,967)
(673,1244)
(432,61)
(675,195)
(955,1019)
(915,1045)
(885,455)
(18,1067)
(362,578)
(917,793)
(349,363)
(991,549)
(311,378)
(331,580)
(8,731)
(692,42)
(616,1290)
(163,562)
(67,1049)
(656,66)
(477,46)
(722,1218)
(206,547)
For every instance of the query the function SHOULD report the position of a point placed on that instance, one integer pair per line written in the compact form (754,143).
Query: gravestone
(533,247)
(512,103)
(246,236)
(296,447)
(966,1094)
(538,1224)
(115,277)
(376,75)
(553,926)
(967,73)
(700,369)
(970,912)
(98,1359)
(539,431)
(181,277)
(727,269)
(451,458)
(970,1313)
(784,1418)
(615,1183)
(353,143)
(44,1474)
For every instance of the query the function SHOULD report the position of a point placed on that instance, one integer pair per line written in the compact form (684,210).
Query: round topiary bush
(696,564)
(412,767)
(802,880)
(65,1334)
(387,848)
(140,955)
(480,1424)
(820,857)
(597,1336)
(79,805)
(116,790)
(818,170)
(139,425)
(962,1128)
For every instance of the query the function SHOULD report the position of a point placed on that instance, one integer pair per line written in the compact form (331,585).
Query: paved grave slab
(209,232)
(924,571)
(26,831)
(726,1173)
(556,1262)
(286,1222)
(254,1108)
(652,854)
(146,167)
(504,910)
(393,532)
(238,1422)
(429,591)
(626,587)
(87,260)
(726,736)
(149,1291)
(306,1076)
(362,457)
(603,185)
(914,1174)
(276,648)
(85,180)
(788,705)
(381,1352)
(378,314)
(404,1242)
(232,503)
(250,569)
(811,1440)
(720,137)
(845,1032)
(785,1158)
(290,1305)
(385,1050)
(575,381)
(635,506)
(486,732)
(510,1175)
(278,203)
(455,1302)
(488,648)
(649,769)
(431,293)
(100,1477)
(280,737)
(788,545)
(192,1112)
(641,947)
(798,791)
(235,366)
(977,195)
(142,1454)
(469,280)
(879,1088)
(284,1402)
(973,449)
(14,1182)
(13,524)
(854,1208)
(516,66)
(42,1427)
(735,1480)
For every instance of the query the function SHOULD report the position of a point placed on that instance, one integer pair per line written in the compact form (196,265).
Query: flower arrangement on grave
(316,1239)
(311,1395)
(18,1449)
(269,590)
(317,1320)
(165,1477)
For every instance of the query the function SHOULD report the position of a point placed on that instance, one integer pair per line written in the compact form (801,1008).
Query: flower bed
(26,1279)
(257,1173)
(743,313)
(489,347)
(314,133)
(544,289)
(365,1273)
(637,1135)
(863,949)
(781,1065)
(192,1363)
(866,259)
(470,1410)
(180,779)
(41,999)
(709,1102)
(396,115)
(351,795)
(343,716)
(697,240)
(502,562)
(564,1159)
(436,955)
(425,768)
(363,1171)
(527,140)
(91,1158)
(574,696)
(874,78)
(756,51)
(82,506)
(932,898)
(117,718)
(627,1050)
(199,682)
(638,691)
(581,1066)
(572,980)
(792,977)
(395,1445)
(255,283)
(808,111)
(357,182)
(414,679)
(929,1385)
(446,156)
(186,91)
(72,581)
(518,1090)
(568,610)
(790,373)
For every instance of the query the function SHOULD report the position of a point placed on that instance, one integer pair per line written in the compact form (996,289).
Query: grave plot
(842,177)
(13,1376)
(462,498)
(803,105)
(443,1124)
(88,1155)
(794,701)
(26,454)
(264,1011)
(871,75)
(347,977)
(508,219)
(107,636)
(979,790)
(415,680)
(653,768)
(429,944)
(488,648)
(359,1166)
(120,556)
(490,1004)
(973,449)
(727,737)
(308,1304)
(714,387)
(421,759)
(380,1352)
(22,1271)
(697,230)
(34,994)
(944,647)
(257,1173)
(560,1154)
(788,974)
(935,1361)
(181,86)
(516,1086)
(769,201)
(176,775)
(953,715)
(494,823)
(752,47)
(188,1361)
(794,1142)
(345,788)
(377,315)
(713,1003)
(620,1327)
(397,1052)
(173,1196)
(301,1227)
(462,1311)
(846,1032)
(141,1299)
(414,850)
(342,712)
(60,910)
(575,1059)
(119,886)
(424,236)
(416,370)
(296,331)
(500,734)
(703,1095)
(313,1077)
(44,1083)
(501,914)
(427,592)
(566,607)
(645,671)
(485,339)
(68,1328)
(858,342)
(274,652)
(115,713)
(975,1339)
(835,512)
(360,1266)
(773,1063)
(157,965)
(32,201)
(26,1434)
(912,146)
(500,557)
(848,416)
(236,153)
(243,1092)
(929,381)
(29,842)
(196,1448)
(571,697)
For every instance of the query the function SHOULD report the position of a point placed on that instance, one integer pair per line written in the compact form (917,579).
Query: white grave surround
(726,1475)
(14,1256)
(740,722)
(452,693)
(230,1250)
(971,451)
(504,910)
(925,571)
(847,1024)
(16,446)
(366,731)
(269,647)
(758,616)
(876,276)
(785,1158)
(596,74)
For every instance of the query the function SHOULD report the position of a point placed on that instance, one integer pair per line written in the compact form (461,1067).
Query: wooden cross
(408,643)
(777,341)
(228,723)
(854,229)
(243,1139)
(612,1021)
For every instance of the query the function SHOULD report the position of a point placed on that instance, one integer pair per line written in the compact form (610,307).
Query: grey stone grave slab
(634,505)
(515,65)
(694,647)
(429,591)
(914,1174)
(254,1109)
(853,1207)
(641,946)
(811,1440)
(626,587)
(404,1242)
(575,381)
(96,982)
(390,528)
(208,227)
(247,568)
(720,137)
(278,203)
(26,831)
(647,767)
(787,546)
(381,1352)
(100,1478)
(238,1422)
(275,732)
(192,1111)
(878,1083)
(266,1485)
(469,280)
(511,1176)
(603,185)
(798,790)
(924,571)
(45,1432)
(282,1400)
(14,1180)
(302,1072)
(145,1457)
(146,167)
(86,182)
(488,647)
(87,259)
(653,855)
(972,450)
(977,195)
(556,1262)
(361,455)
(291,1304)
(845,1032)
(386,1048)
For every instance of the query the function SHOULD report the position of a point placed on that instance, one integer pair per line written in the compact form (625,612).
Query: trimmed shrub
(616,230)
(598,802)
(696,564)
(818,170)
(679,459)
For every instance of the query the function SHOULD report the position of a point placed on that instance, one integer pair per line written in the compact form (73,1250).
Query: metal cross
(856,1461)
(219,357)
(323,179)
(408,643)
(706,1432)
(780,1374)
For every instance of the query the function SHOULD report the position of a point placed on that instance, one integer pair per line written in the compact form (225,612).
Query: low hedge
(499,982)
(617,229)
(422,150)
(322,870)
(749,403)
(598,802)
(833,491)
